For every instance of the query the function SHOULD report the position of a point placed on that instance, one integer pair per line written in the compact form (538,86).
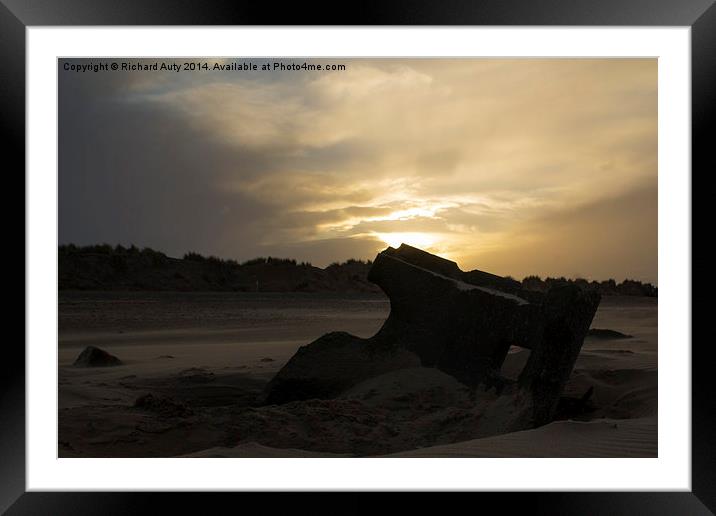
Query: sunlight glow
(422,240)
(410,213)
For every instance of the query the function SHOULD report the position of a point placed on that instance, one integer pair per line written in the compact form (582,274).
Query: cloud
(612,237)
(474,154)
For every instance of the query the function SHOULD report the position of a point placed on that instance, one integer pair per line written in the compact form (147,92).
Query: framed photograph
(433,250)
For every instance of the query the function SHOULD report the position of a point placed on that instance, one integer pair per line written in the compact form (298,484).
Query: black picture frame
(17,15)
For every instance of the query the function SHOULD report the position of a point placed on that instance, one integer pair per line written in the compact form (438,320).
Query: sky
(513,166)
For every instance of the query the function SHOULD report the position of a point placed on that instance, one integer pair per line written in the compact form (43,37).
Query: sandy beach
(194,364)
(372,257)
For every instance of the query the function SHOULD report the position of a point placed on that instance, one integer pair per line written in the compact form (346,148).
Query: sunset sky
(514,166)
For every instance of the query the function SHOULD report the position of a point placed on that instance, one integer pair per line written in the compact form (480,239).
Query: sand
(204,371)
(603,438)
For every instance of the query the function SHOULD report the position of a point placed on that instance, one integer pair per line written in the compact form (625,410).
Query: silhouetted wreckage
(462,323)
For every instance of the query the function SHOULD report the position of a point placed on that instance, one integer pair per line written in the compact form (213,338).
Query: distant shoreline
(107,268)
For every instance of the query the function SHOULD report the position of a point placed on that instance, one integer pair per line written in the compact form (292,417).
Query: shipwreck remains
(462,323)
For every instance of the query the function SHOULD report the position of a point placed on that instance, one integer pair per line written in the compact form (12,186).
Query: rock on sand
(96,357)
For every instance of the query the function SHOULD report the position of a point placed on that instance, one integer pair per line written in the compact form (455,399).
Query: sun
(421,240)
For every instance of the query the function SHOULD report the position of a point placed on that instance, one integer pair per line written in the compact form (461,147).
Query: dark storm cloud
(136,173)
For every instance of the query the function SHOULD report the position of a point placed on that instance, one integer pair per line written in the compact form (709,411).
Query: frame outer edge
(12,99)
(703,127)
(12,364)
